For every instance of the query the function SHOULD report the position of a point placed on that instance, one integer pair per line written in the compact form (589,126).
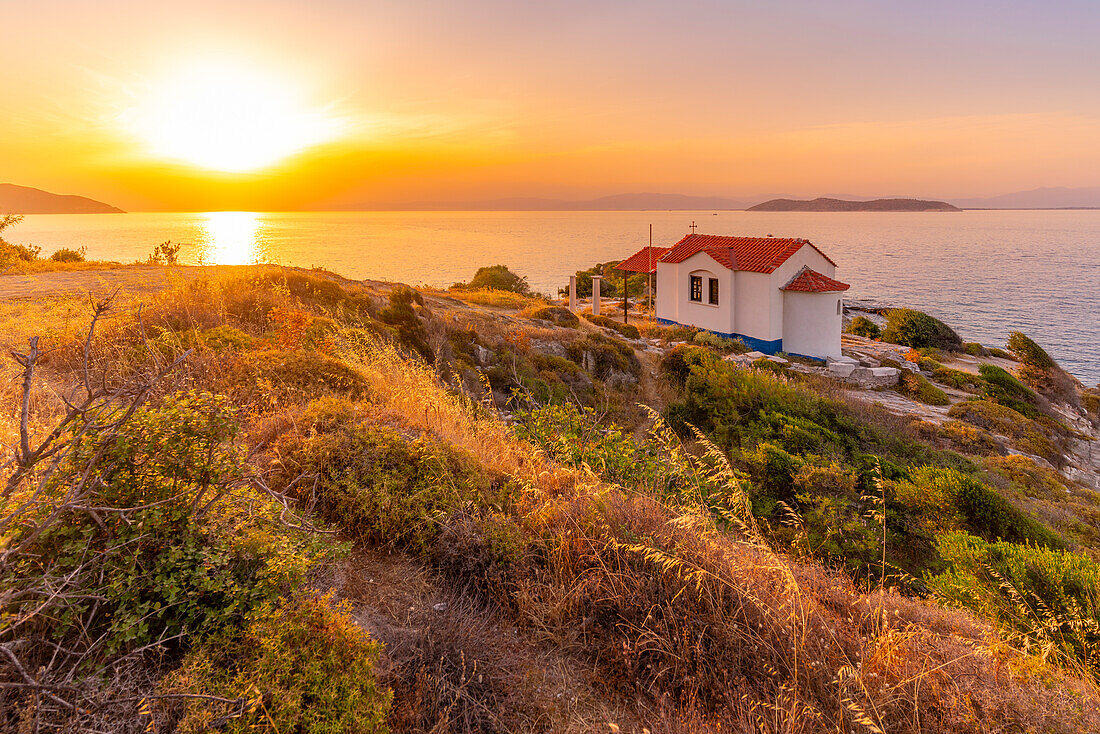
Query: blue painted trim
(773,346)
(806,356)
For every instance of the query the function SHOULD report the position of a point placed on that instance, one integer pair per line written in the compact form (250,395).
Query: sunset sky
(250,104)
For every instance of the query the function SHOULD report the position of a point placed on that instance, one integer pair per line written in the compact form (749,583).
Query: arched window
(839,310)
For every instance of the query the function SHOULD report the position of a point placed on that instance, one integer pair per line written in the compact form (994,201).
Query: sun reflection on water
(231,238)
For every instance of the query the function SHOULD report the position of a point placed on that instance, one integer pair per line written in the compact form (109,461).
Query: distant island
(823,204)
(26,200)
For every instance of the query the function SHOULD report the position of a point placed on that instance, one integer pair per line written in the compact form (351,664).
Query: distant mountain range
(1056,197)
(615,202)
(25,200)
(823,204)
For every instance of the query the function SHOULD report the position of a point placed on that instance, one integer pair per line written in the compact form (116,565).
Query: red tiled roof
(811,281)
(643,261)
(755,254)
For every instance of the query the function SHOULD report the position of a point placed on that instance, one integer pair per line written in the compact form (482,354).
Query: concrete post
(572,293)
(596,294)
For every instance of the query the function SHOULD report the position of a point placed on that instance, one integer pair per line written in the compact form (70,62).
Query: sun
(228,116)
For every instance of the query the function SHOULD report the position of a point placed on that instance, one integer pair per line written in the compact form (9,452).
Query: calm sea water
(984,272)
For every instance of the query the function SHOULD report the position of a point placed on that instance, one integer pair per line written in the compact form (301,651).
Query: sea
(986,273)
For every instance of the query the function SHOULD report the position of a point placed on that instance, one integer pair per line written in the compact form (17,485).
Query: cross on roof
(693,226)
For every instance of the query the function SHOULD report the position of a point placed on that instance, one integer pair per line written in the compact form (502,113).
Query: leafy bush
(1000,385)
(917,329)
(970,440)
(497,278)
(584,283)
(557,315)
(402,314)
(974,349)
(1039,370)
(274,376)
(576,437)
(630,331)
(67,255)
(946,499)
(1027,434)
(153,563)
(1034,480)
(916,387)
(304,666)
(601,355)
(863,326)
(678,361)
(377,485)
(956,378)
(721,343)
(16,254)
(1002,354)
(1046,598)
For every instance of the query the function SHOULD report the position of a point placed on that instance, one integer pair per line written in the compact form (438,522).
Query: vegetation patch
(302,666)
(917,329)
(1047,599)
(721,343)
(557,315)
(914,386)
(863,326)
(630,331)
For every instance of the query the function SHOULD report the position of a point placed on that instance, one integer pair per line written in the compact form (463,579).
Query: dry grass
(45,265)
(492,298)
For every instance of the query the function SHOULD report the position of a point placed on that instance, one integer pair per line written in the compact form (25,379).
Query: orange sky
(410,101)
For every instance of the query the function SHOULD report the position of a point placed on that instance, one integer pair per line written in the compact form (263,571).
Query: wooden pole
(626,305)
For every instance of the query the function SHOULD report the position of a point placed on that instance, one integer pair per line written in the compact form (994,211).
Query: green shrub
(577,436)
(1039,370)
(721,343)
(774,469)
(307,664)
(956,378)
(678,361)
(863,326)
(630,331)
(1034,480)
(1047,599)
(497,278)
(1001,354)
(67,255)
(168,554)
(402,315)
(379,486)
(1029,353)
(601,355)
(1001,386)
(970,440)
(15,254)
(974,349)
(928,364)
(949,499)
(916,387)
(917,329)
(991,416)
(275,376)
(556,315)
